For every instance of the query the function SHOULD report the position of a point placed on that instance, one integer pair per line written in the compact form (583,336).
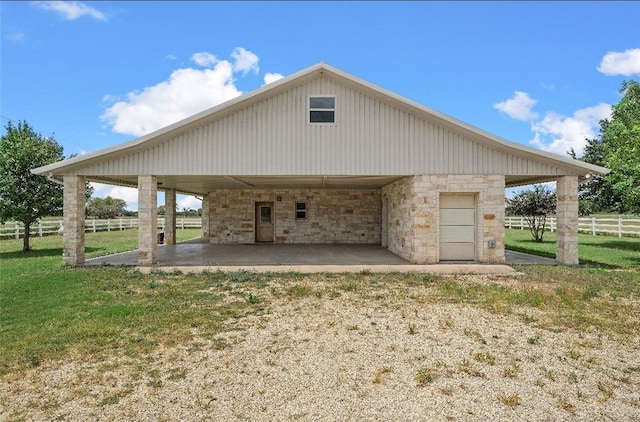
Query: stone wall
(333,216)
(413,214)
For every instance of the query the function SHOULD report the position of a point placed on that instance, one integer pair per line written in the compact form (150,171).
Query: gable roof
(547,165)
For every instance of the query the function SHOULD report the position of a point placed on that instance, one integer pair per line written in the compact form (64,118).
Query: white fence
(610,226)
(607,226)
(49,227)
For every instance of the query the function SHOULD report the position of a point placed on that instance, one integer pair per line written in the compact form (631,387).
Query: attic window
(322,109)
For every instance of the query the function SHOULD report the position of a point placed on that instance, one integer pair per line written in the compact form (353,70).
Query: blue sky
(94,74)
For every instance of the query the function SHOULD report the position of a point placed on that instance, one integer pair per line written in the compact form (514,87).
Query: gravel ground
(347,359)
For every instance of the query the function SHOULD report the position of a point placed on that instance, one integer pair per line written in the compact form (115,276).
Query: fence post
(182,223)
(40,228)
(593,226)
(619,227)
(108,224)
(120,221)
(17,230)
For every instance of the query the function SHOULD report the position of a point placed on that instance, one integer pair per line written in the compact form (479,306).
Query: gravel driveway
(347,358)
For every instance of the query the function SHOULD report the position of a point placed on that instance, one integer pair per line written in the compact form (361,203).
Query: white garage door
(457,226)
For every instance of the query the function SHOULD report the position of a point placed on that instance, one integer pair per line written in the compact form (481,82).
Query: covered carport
(379,167)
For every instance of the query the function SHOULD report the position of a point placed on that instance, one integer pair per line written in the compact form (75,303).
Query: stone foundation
(333,216)
(414,208)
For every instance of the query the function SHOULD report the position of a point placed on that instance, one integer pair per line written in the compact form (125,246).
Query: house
(325,157)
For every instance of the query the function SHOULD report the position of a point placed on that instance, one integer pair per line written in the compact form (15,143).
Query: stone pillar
(73,220)
(567,217)
(206,216)
(170,217)
(490,220)
(384,225)
(424,218)
(147,220)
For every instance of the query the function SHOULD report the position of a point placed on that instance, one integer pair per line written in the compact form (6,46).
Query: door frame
(256,210)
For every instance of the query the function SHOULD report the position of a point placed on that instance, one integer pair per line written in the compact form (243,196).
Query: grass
(599,251)
(49,311)
(425,376)
(512,400)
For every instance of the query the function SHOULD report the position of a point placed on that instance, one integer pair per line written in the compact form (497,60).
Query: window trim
(334,109)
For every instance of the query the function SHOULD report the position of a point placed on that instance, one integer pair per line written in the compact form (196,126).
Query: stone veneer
(413,215)
(147,220)
(169,216)
(567,219)
(205,218)
(73,220)
(333,215)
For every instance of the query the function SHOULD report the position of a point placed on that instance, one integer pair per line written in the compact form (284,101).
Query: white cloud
(559,134)
(518,107)
(71,10)
(244,61)
(188,202)
(204,59)
(186,92)
(130,195)
(272,77)
(626,63)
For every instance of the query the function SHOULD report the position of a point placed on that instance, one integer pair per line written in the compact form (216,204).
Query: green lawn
(600,251)
(49,311)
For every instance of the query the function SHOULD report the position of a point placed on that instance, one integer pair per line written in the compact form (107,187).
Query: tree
(24,196)
(617,148)
(106,208)
(535,206)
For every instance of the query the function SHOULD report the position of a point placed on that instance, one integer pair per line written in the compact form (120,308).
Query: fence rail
(609,226)
(49,227)
(596,226)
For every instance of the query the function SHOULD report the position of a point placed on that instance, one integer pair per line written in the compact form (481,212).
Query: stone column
(147,220)
(170,217)
(206,216)
(384,223)
(73,220)
(491,219)
(567,217)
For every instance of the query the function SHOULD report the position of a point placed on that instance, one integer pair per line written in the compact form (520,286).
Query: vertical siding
(272,137)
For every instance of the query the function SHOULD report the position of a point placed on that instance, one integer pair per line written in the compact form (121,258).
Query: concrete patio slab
(198,255)
(308,269)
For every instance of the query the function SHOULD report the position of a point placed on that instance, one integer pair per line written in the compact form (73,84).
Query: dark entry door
(264,222)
